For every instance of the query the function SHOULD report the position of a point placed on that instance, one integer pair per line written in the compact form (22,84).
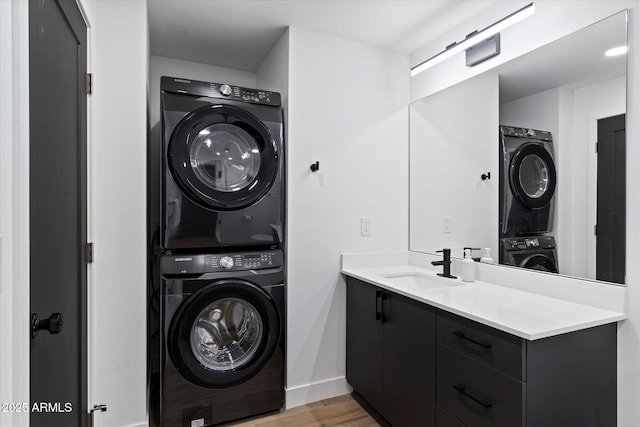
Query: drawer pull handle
(461,335)
(378,305)
(460,388)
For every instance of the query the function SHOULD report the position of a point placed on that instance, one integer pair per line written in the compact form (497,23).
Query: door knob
(53,324)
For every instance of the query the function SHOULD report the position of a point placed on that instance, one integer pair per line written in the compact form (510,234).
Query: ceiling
(575,60)
(240,33)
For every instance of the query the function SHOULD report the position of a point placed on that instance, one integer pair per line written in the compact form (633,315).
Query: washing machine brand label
(183,259)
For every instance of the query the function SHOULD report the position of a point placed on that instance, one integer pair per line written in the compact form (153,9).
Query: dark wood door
(409,360)
(58,217)
(364,341)
(611,204)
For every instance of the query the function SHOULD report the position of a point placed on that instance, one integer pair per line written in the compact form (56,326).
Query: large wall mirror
(528,159)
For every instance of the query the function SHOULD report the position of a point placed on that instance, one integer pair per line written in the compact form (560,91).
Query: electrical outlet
(446,224)
(365,226)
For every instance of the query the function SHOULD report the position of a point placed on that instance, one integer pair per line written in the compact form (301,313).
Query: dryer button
(226,262)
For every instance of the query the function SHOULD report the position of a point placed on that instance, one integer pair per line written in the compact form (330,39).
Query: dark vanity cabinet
(391,353)
(418,365)
(487,377)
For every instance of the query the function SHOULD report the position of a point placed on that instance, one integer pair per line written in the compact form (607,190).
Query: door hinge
(89,252)
(96,408)
(596,148)
(595,230)
(89,83)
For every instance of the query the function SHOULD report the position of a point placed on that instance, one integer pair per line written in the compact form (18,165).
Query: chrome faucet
(445,263)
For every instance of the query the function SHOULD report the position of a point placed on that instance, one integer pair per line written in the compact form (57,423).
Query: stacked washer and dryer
(527,199)
(216,291)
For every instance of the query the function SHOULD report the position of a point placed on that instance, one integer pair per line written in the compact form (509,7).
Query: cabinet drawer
(475,394)
(501,351)
(444,419)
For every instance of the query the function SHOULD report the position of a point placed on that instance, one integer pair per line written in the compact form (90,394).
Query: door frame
(14,216)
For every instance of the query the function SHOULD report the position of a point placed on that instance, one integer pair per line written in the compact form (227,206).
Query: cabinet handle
(461,335)
(460,388)
(383,318)
(378,305)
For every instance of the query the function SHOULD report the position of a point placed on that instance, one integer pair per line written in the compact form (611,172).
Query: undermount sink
(418,280)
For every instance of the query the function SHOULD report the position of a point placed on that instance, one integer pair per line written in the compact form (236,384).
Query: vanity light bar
(475,38)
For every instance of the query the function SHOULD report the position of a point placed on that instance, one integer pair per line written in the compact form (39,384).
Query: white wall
(14,209)
(347,110)
(554,19)
(447,159)
(118,306)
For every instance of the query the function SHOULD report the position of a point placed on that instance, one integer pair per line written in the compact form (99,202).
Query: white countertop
(525,314)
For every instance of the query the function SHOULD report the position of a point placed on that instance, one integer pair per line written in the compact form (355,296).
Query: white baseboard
(308,393)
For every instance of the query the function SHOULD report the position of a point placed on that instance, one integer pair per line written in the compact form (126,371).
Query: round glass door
(222,157)
(533,176)
(224,333)
(539,262)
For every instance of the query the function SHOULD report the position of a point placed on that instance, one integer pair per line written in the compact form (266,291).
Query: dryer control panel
(214,263)
(220,90)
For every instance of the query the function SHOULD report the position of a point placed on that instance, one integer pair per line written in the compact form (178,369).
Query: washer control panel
(213,263)
(524,243)
(516,132)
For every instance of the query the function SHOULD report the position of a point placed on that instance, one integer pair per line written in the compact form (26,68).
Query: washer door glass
(532,175)
(226,334)
(539,262)
(222,157)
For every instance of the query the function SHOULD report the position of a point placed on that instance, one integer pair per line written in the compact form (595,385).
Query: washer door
(532,176)
(222,157)
(539,262)
(224,333)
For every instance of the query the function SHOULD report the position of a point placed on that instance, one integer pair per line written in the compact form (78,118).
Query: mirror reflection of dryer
(534,253)
(222,166)
(527,181)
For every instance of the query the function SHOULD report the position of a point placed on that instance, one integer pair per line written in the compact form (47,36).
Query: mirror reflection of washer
(527,181)
(223,338)
(222,166)
(534,253)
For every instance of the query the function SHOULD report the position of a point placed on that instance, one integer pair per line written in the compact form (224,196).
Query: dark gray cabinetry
(487,377)
(391,353)
(420,366)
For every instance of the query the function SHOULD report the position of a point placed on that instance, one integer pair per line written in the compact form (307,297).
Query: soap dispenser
(486,256)
(467,267)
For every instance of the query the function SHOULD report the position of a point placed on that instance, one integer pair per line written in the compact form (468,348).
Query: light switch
(365,226)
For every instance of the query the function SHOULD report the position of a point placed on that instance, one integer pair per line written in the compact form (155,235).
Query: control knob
(226,262)
(225,90)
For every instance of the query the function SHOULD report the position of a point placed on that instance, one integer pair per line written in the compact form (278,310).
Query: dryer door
(532,175)
(222,157)
(224,333)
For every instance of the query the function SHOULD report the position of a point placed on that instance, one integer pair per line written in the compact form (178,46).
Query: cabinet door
(364,341)
(409,358)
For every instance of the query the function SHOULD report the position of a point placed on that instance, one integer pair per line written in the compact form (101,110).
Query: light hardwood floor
(337,411)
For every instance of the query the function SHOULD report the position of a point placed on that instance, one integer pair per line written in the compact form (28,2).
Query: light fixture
(615,51)
(475,38)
